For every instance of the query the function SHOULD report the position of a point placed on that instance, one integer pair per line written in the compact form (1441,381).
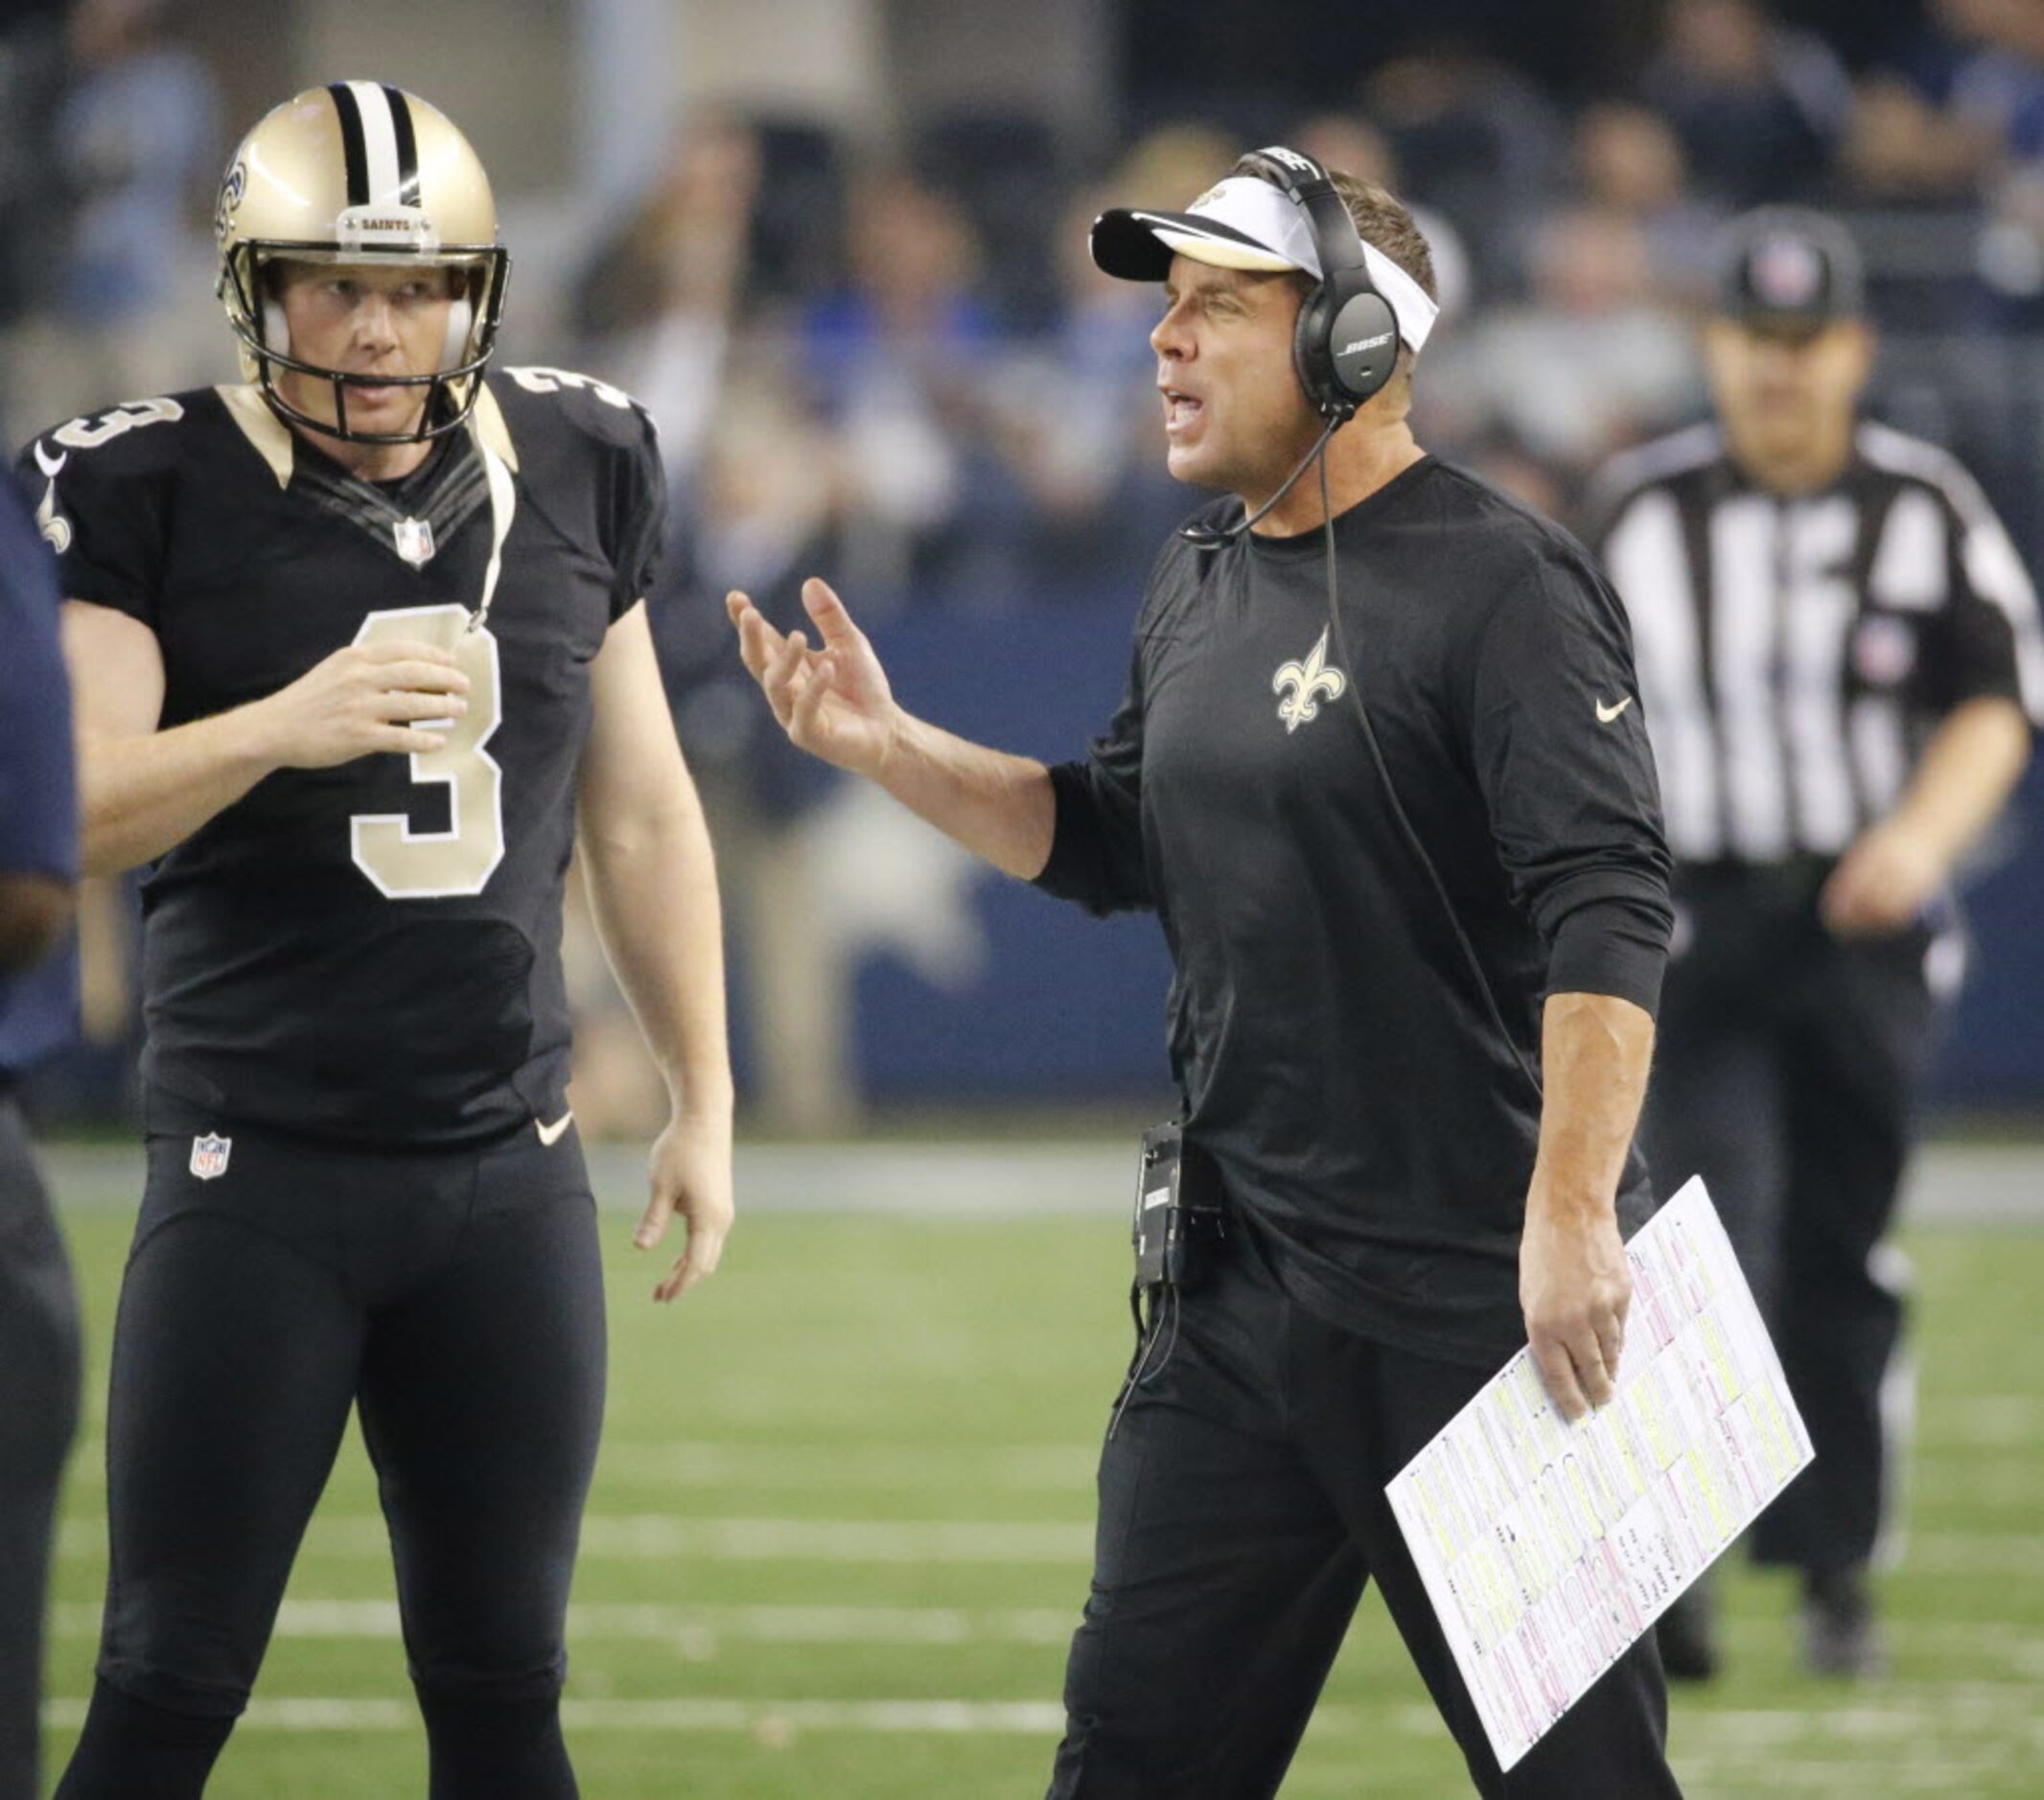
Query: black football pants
(1242,1510)
(38,1412)
(455,1299)
(1786,1075)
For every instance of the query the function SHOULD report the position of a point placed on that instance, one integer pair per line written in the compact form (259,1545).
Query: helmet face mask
(357,174)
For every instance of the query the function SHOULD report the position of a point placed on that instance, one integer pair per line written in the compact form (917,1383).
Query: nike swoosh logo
(1606,714)
(51,469)
(550,1135)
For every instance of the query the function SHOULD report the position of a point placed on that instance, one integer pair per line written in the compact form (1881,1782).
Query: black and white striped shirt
(1795,654)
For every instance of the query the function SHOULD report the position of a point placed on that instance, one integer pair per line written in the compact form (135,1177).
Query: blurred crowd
(898,368)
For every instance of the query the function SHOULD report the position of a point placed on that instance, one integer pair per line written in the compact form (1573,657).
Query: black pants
(1787,1074)
(1242,1510)
(456,1299)
(39,1413)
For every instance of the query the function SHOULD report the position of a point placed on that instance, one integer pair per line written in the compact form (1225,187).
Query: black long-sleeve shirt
(1372,1104)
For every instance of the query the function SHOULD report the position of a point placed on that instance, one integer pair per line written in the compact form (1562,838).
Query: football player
(360,656)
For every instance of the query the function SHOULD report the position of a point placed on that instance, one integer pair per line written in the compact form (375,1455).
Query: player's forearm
(142,796)
(1966,774)
(1595,1051)
(998,806)
(653,890)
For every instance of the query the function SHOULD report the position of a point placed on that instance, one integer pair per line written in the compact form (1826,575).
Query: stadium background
(837,245)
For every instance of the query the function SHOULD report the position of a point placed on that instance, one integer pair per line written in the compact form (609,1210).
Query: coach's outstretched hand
(833,702)
(690,1172)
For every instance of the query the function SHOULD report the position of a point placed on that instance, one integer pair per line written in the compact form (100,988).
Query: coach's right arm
(835,704)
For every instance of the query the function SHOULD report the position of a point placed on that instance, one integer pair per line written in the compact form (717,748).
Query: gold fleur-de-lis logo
(1301,686)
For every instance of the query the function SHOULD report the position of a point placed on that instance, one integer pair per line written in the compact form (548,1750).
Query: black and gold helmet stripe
(407,146)
(354,148)
(379,143)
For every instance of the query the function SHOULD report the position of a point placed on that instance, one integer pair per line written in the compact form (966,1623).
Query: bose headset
(1345,343)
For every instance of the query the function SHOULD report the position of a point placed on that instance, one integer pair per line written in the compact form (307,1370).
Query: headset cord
(1398,809)
(1165,1296)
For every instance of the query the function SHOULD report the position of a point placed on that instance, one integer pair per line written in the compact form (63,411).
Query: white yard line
(1727,1743)
(631,1537)
(881,1468)
(2005,1421)
(699,1631)
(1989,1482)
(690,1629)
(767,1719)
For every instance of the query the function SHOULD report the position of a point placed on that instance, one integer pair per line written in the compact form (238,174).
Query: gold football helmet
(353,172)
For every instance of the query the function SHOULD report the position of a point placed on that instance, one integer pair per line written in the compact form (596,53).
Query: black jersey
(1338,1053)
(1797,653)
(369,951)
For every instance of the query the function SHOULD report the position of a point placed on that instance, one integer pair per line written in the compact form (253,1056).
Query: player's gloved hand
(1574,1286)
(1882,883)
(362,700)
(690,1172)
(833,702)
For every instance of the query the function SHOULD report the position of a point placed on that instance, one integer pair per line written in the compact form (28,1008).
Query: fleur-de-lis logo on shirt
(1301,686)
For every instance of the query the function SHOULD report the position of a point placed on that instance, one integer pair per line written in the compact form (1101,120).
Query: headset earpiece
(1345,347)
(1362,341)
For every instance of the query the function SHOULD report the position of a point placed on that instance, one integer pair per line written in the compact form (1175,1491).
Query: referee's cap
(1246,222)
(1785,268)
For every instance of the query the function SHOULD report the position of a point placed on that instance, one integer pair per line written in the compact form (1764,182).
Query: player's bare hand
(689,1173)
(360,699)
(834,703)
(1882,883)
(1575,1288)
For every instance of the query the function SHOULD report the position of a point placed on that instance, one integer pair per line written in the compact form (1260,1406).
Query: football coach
(1381,773)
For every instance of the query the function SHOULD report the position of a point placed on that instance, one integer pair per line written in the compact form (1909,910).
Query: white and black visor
(1246,222)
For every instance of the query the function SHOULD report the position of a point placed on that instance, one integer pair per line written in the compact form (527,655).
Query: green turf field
(838,1538)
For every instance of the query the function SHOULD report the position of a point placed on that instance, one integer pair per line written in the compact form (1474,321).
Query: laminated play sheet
(1549,1548)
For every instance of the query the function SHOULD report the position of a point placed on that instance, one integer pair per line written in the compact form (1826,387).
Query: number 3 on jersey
(408,865)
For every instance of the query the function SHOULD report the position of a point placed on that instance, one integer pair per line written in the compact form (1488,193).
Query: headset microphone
(1214,537)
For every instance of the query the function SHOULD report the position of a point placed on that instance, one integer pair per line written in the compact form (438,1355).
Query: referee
(38,1311)
(1403,843)
(1837,647)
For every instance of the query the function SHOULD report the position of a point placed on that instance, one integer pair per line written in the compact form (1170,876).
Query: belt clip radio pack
(1180,1219)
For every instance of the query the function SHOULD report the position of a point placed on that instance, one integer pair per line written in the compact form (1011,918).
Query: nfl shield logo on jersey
(415,541)
(209,1156)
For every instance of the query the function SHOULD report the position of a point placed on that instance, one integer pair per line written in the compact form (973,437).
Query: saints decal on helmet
(361,173)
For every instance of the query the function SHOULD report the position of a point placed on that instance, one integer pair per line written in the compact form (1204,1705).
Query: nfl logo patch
(209,1156)
(415,541)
